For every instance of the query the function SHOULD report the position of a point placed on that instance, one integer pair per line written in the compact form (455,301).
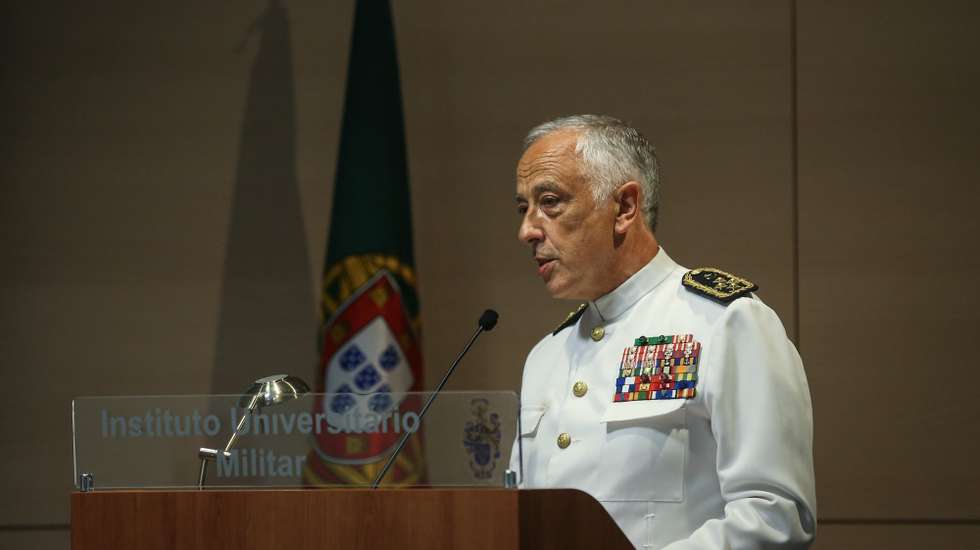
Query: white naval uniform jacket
(730,468)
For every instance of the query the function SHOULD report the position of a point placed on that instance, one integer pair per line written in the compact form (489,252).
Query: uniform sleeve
(758,402)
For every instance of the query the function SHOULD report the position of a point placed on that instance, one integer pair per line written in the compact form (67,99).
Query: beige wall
(888,199)
(121,138)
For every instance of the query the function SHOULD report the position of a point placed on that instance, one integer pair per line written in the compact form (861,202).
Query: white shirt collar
(610,306)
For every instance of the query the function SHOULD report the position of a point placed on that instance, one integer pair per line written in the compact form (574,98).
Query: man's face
(571,240)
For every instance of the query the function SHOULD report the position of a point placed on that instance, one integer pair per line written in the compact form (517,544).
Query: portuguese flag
(369,338)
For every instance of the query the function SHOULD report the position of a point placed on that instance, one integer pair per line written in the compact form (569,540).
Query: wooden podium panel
(303,519)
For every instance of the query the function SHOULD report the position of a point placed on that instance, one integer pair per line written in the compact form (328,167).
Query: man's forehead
(550,157)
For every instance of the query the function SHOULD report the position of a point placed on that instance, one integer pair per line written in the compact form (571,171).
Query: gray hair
(612,154)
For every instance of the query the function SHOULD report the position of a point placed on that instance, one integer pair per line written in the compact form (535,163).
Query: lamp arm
(241,422)
(212,454)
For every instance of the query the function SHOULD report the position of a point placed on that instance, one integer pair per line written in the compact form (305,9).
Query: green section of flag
(372,205)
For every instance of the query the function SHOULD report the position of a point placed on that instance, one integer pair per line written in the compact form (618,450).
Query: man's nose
(529,232)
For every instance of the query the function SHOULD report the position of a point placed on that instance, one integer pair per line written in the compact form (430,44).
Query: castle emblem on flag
(482,439)
(658,367)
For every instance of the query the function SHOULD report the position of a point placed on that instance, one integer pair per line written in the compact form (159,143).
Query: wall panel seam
(35,527)
(898,521)
(795,184)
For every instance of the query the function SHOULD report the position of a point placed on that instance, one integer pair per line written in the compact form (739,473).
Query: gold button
(580,388)
(598,333)
(564,440)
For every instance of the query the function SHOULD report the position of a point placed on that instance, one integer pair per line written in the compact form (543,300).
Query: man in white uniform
(672,396)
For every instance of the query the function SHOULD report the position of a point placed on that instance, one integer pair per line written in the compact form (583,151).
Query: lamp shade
(273,390)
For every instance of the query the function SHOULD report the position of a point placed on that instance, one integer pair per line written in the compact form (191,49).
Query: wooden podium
(302,519)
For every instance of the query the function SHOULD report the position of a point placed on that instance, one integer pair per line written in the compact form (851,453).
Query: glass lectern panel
(339,439)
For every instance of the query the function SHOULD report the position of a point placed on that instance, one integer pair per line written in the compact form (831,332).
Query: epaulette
(571,319)
(718,285)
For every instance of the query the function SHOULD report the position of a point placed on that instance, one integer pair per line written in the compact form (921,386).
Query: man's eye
(522,209)
(549,201)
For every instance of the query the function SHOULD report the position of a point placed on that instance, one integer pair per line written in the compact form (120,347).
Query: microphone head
(488,320)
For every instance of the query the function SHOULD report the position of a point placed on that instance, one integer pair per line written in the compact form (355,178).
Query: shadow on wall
(267,323)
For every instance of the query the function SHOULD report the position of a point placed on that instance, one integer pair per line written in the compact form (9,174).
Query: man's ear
(627,198)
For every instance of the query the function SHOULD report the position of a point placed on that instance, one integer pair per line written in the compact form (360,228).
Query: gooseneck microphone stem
(487,322)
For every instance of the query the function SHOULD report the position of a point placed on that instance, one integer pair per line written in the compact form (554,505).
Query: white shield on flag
(371,362)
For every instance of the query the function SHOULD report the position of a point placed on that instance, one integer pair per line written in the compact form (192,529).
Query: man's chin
(560,290)
(555,289)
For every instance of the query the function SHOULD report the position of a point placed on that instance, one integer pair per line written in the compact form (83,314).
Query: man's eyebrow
(543,186)
(539,188)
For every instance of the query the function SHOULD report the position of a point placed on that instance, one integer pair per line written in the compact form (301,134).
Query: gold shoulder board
(718,285)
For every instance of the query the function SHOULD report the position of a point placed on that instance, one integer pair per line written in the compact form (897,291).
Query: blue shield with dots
(363,375)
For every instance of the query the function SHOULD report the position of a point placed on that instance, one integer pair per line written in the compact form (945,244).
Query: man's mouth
(545,265)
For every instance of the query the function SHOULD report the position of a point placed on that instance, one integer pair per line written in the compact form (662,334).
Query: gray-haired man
(672,396)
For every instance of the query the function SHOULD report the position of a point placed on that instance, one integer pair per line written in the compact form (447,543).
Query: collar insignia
(718,285)
(571,319)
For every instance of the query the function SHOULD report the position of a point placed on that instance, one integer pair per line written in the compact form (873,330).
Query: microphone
(488,320)
(486,323)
